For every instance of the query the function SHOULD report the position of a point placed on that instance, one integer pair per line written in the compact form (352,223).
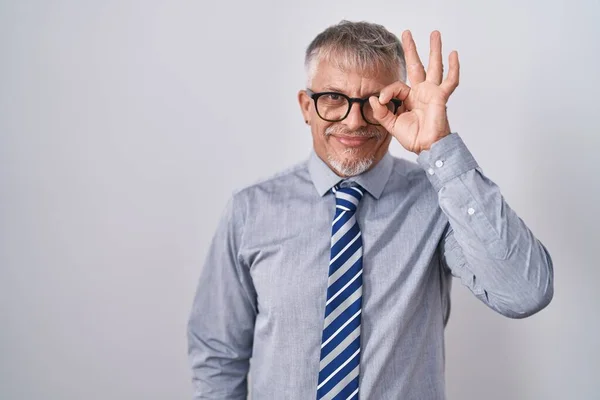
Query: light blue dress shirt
(262,291)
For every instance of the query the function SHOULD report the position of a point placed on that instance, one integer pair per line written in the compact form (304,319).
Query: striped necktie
(340,345)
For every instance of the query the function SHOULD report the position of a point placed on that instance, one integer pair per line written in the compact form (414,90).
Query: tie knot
(348,197)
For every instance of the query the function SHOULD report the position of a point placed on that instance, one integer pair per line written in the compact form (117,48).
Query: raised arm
(486,244)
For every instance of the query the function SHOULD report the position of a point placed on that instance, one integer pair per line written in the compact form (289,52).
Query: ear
(305,102)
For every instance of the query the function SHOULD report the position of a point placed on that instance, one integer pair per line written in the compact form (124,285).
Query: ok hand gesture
(424,120)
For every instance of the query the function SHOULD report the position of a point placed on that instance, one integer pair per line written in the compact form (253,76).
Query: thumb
(382,114)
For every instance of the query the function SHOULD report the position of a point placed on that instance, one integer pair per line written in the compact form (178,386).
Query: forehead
(331,75)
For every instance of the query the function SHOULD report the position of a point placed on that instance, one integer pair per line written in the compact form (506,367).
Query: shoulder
(277,184)
(410,180)
(407,169)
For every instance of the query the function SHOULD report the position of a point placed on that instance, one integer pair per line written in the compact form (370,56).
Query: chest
(288,251)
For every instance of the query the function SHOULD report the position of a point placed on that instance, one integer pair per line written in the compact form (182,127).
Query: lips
(352,141)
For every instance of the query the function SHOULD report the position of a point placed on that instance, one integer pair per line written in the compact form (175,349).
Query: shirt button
(430,170)
(471,211)
(439,163)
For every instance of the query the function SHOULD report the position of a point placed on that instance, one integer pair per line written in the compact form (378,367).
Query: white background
(125,126)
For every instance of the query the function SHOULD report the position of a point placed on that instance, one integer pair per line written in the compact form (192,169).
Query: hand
(424,120)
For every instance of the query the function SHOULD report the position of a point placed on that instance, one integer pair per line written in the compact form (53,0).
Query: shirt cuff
(446,159)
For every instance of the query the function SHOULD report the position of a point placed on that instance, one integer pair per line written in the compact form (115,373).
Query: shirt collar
(373,180)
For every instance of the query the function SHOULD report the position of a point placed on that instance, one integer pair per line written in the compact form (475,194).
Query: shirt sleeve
(486,244)
(221,324)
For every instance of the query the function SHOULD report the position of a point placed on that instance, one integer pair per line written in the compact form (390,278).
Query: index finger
(398,90)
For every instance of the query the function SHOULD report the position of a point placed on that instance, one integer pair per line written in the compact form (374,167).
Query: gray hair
(362,46)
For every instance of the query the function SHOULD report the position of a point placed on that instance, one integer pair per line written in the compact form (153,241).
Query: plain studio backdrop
(125,127)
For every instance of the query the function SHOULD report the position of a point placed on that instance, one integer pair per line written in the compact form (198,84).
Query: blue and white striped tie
(340,345)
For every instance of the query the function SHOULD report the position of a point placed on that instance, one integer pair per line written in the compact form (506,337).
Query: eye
(332,100)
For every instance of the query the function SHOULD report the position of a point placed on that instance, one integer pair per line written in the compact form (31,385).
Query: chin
(351,165)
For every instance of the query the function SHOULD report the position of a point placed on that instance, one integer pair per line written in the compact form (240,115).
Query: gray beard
(350,168)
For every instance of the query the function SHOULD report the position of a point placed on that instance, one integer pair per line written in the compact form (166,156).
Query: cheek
(318,130)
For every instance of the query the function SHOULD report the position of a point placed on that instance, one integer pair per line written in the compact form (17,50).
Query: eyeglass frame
(351,100)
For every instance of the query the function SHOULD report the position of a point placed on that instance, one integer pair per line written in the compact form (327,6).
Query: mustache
(361,132)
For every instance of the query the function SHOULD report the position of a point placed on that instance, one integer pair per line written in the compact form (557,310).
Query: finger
(398,90)
(451,81)
(435,68)
(414,66)
(382,114)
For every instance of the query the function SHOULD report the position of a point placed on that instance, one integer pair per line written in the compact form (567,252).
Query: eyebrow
(332,89)
(329,88)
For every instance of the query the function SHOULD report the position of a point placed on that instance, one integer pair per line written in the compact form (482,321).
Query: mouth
(352,141)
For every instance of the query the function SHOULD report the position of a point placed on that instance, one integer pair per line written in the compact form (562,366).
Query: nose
(354,120)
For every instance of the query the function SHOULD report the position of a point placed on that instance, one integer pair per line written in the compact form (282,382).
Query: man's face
(350,146)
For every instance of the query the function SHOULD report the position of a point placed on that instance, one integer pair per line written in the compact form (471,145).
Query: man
(334,276)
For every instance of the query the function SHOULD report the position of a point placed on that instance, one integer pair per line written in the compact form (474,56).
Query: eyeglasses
(334,106)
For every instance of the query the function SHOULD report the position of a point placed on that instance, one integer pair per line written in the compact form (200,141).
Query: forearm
(218,371)
(487,245)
